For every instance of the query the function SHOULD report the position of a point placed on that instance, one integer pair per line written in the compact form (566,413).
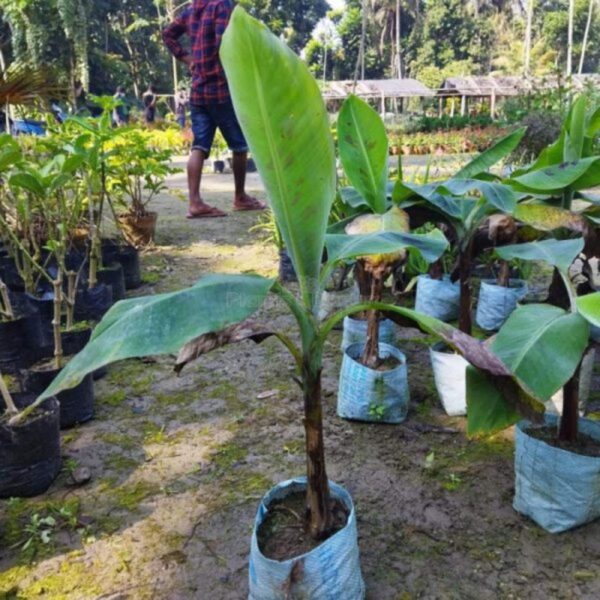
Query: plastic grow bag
(331,302)
(450,375)
(329,572)
(439,298)
(556,488)
(496,302)
(369,395)
(355,332)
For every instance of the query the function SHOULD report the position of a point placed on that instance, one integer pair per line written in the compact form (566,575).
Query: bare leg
(242,200)
(198,208)
(194,172)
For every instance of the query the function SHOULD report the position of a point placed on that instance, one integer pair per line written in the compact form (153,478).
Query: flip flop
(250,204)
(211,213)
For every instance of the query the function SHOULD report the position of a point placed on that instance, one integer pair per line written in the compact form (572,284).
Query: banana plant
(570,164)
(465,202)
(364,151)
(280,122)
(542,344)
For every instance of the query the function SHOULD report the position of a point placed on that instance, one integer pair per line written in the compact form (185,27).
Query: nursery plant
(363,147)
(465,202)
(136,174)
(280,121)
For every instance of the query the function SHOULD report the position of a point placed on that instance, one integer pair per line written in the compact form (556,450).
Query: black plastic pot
(130,261)
(33,339)
(13,351)
(74,341)
(286,268)
(30,453)
(44,306)
(92,304)
(10,274)
(219,166)
(113,276)
(76,404)
(110,251)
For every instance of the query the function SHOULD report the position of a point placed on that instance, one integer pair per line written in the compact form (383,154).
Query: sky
(337,3)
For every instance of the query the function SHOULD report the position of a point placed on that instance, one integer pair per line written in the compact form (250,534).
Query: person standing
(204,22)
(181,102)
(149,100)
(121,111)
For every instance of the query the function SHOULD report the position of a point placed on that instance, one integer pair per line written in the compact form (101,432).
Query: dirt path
(179,465)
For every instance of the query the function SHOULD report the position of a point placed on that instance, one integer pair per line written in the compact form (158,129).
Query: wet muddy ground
(178,466)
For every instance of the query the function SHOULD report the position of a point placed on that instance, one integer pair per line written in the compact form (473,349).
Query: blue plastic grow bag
(329,572)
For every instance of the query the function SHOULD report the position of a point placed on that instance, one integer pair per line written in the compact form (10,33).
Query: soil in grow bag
(76,404)
(281,535)
(30,452)
(585,445)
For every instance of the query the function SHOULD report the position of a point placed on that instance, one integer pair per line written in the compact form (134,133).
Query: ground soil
(282,535)
(179,465)
(585,444)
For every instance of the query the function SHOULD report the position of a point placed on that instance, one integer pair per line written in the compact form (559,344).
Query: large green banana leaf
(344,247)
(575,175)
(542,345)
(558,253)
(492,155)
(163,324)
(487,408)
(285,122)
(364,151)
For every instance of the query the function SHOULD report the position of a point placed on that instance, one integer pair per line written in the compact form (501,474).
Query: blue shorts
(205,120)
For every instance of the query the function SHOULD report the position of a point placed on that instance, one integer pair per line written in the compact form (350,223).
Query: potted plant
(465,204)
(557,461)
(374,375)
(278,125)
(137,173)
(29,449)
(43,192)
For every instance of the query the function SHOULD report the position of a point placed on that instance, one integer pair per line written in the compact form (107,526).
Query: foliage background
(106,43)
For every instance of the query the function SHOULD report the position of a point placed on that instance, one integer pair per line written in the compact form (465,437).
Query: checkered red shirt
(204,23)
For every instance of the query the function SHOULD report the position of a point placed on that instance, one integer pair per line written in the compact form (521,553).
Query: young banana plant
(288,132)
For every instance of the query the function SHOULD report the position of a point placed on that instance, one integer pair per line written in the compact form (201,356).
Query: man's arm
(171,34)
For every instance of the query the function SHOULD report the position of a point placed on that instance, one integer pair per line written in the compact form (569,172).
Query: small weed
(154,434)
(151,278)
(377,411)
(116,398)
(452,483)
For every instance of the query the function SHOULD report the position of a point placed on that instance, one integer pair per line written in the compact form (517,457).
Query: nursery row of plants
(440,231)
(73,215)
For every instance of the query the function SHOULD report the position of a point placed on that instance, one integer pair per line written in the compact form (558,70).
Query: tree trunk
(569,422)
(436,270)
(569,71)
(465,323)
(370,357)
(528,27)
(586,34)
(398,39)
(318,505)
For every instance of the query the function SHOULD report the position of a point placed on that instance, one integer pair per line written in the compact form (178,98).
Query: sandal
(249,203)
(211,212)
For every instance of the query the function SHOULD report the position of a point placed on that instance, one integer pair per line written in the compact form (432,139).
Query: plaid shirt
(204,22)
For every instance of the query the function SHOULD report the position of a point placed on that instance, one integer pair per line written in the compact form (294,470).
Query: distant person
(181,103)
(121,111)
(204,23)
(149,100)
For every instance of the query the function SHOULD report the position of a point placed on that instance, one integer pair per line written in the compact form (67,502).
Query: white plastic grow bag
(450,375)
